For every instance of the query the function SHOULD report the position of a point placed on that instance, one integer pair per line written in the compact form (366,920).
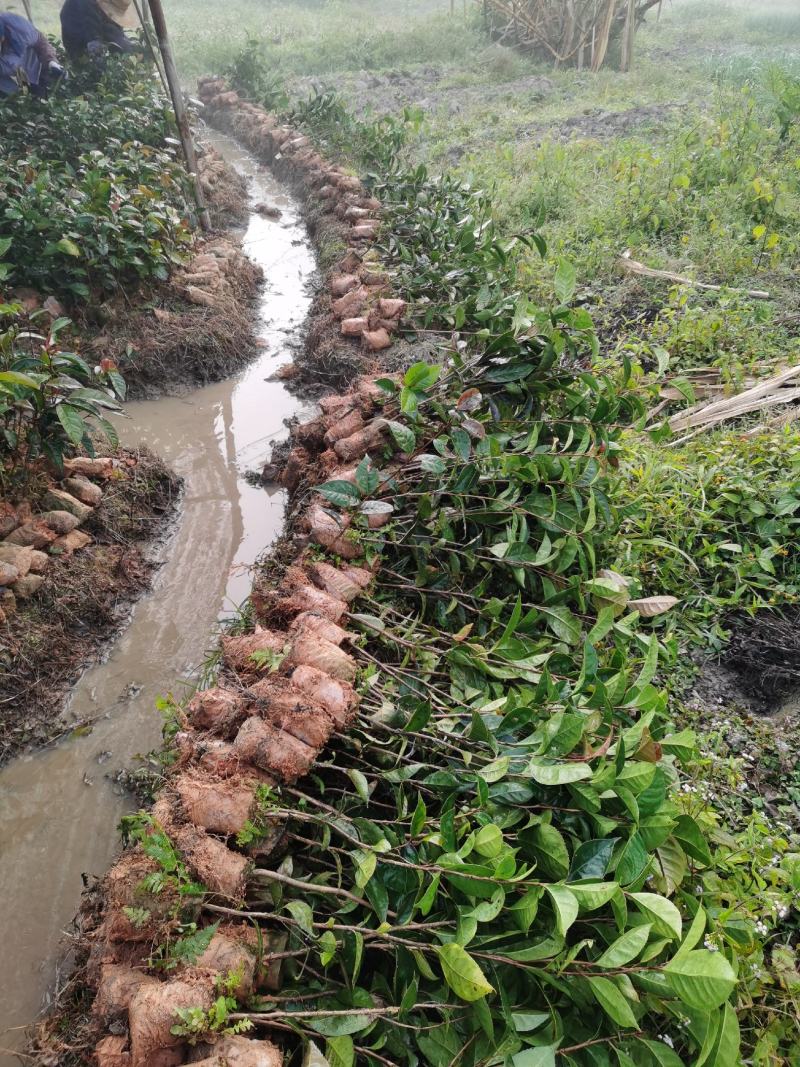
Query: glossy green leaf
(701,978)
(626,948)
(613,1002)
(462,973)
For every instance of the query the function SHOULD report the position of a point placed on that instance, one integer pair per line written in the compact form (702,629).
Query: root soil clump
(82,603)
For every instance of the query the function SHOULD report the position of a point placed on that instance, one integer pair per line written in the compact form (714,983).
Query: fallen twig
(633,266)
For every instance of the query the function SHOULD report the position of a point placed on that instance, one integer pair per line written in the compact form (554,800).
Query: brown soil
(164,343)
(83,603)
(759,667)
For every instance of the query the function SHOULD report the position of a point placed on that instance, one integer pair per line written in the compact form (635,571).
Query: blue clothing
(24,49)
(83,24)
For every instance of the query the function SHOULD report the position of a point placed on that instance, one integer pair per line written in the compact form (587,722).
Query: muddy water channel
(59,808)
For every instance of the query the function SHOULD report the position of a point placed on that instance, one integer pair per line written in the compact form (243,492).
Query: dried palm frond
(780,389)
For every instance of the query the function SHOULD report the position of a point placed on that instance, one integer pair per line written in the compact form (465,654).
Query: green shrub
(52,403)
(715,523)
(91,193)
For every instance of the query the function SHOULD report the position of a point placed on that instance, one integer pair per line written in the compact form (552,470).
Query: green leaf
(543,1056)
(626,948)
(702,979)
(558,773)
(633,860)
(70,418)
(591,897)
(5,244)
(526,1021)
(429,896)
(340,1051)
(691,838)
(432,464)
(341,494)
(462,973)
(613,1002)
(663,1054)
(563,623)
(189,948)
(302,915)
(591,859)
(489,841)
(693,934)
(565,281)
(421,376)
(725,1050)
(496,770)
(360,782)
(565,905)
(550,851)
(404,437)
(338,1026)
(650,665)
(663,914)
(68,247)
(525,908)
(14,377)
(366,863)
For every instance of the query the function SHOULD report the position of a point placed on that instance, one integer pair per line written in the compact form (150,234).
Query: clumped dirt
(599,124)
(764,656)
(164,343)
(427,88)
(53,636)
(225,191)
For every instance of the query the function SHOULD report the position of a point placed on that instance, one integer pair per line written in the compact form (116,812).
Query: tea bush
(52,403)
(92,196)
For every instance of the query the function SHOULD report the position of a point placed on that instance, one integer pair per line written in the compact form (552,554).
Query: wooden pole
(147,30)
(181,117)
(28,13)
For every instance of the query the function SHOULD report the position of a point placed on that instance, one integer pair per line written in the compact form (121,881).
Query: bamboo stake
(181,117)
(147,30)
(28,13)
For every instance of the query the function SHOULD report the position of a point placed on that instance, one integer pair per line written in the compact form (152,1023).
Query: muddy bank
(83,601)
(354,327)
(285,686)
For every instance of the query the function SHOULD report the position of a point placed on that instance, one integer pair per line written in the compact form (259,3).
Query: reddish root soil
(81,604)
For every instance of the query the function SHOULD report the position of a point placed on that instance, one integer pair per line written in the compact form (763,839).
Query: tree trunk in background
(575,33)
(626,58)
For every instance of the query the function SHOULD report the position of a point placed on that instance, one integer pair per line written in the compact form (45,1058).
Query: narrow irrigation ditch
(61,805)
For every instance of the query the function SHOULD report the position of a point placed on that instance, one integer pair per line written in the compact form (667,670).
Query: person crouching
(94,27)
(26,58)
